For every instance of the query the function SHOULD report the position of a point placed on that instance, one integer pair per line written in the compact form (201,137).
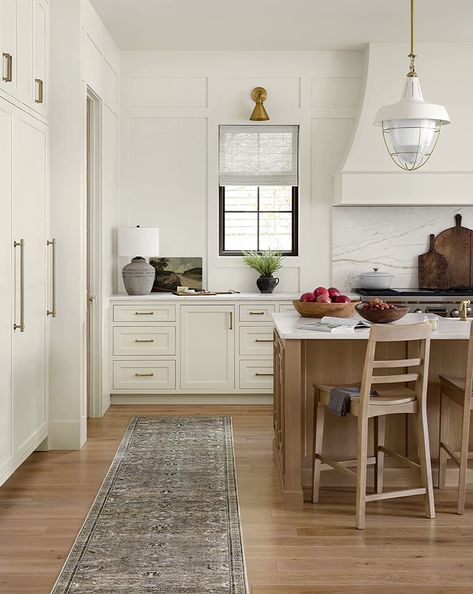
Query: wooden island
(303,357)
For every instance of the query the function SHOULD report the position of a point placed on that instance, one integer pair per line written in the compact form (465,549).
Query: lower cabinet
(208,348)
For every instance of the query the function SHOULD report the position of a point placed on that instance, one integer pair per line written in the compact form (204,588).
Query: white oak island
(302,357)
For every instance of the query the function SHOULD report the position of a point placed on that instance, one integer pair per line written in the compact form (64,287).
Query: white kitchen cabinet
(24,35)
(207,348)
(23,286)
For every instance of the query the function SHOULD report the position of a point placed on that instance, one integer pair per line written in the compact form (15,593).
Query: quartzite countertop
(203,298)
(304,357)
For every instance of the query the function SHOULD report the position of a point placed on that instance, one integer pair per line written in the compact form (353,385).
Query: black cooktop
(457,292)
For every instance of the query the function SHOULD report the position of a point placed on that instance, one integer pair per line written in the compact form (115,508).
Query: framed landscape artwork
(176,272)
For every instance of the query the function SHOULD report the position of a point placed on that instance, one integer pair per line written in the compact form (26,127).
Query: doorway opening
(93,379)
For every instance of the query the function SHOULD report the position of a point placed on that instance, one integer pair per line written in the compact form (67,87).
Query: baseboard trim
(191,399)
(65,435)
(26,450)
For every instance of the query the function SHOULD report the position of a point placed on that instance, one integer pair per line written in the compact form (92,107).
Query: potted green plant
(266,263)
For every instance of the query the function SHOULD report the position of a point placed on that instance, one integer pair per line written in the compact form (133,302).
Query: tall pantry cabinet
(25,252)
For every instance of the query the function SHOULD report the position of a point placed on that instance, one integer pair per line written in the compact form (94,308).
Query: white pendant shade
(411,127)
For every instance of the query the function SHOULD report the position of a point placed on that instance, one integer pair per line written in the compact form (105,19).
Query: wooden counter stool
(398,399)
(459,390)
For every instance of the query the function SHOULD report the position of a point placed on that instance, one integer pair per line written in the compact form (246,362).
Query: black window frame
(295,222)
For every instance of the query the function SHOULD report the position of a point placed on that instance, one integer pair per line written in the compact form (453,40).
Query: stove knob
(418,310)
(455,313)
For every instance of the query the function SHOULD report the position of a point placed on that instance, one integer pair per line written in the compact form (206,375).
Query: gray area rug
(166,519)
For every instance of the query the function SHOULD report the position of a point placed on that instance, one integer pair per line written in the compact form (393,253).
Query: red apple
(342,299)
(307,297)
(323,298)
(320,291)
(333,292)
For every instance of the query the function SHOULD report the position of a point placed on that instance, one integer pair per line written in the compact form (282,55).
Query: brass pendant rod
(412,56)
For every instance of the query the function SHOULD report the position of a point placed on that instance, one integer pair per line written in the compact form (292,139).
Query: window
(258,189)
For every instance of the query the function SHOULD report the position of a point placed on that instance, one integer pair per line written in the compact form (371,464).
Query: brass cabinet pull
(21,325)
(144,313)
(263,374)
(257,313)
(39,90)
(264,339)
(144,374)
(52,312)
(231,320)
(8,63)
(142,340)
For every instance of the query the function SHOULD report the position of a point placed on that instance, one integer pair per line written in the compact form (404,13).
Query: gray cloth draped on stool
(339,401)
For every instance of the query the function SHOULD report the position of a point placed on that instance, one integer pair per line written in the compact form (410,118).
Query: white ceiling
(279,24)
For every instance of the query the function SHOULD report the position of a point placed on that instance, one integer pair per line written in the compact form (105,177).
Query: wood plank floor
(315,550)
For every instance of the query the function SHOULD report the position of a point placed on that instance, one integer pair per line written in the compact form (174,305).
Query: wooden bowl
(382,316)
(308,309)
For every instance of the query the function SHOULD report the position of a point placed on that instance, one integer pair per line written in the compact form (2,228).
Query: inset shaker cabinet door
(144,341)
(39,80)
(8,46)
(208,348)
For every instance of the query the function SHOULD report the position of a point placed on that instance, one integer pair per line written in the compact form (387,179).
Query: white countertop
(203,298)
(291,326)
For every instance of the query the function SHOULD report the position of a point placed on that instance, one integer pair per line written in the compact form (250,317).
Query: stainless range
(446,303)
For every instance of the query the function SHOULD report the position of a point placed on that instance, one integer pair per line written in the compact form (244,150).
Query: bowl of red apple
(381,312)
(324,302)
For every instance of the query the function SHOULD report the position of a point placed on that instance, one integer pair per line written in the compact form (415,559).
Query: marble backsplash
(389,238)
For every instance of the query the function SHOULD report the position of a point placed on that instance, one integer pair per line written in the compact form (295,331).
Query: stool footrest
(399,457)
(343,465)
(395,494)
(451,453)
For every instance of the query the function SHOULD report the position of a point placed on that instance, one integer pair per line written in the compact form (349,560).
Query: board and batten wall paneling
(172,103)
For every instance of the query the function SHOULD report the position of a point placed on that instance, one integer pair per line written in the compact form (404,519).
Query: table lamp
(139,242)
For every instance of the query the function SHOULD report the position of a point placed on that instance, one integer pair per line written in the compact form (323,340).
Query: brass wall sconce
(259,113)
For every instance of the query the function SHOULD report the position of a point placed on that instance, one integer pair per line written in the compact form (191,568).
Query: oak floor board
(311,551)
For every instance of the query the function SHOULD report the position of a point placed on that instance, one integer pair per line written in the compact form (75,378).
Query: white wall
(369,176)
(74,30)
(171,106)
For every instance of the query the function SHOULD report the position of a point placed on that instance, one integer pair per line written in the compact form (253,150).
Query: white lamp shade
(138,241)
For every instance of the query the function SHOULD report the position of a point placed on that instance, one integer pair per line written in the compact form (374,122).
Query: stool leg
(379,435)
(319,423)
(463,459)
(443,438)
(362,452)
(424,459)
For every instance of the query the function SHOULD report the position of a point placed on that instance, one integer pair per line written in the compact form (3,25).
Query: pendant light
(412,126)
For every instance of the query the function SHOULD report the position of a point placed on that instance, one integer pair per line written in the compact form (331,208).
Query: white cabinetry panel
(207,347)
(144,313)
(259,312)
(144,341)
(8,46)
(256,340)
(144,375)
(256,375)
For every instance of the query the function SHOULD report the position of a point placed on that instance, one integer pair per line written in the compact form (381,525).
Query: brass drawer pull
(39,90)
(264,339)
(21,325)
(52,312)
(257,313)
(147,340)
(144,374)
(263,374)
(231,321)
(144,313)
(8,62)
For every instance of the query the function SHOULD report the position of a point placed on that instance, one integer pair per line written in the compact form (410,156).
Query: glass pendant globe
(411,142)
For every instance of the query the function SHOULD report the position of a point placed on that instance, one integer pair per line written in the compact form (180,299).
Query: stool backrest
(419,336)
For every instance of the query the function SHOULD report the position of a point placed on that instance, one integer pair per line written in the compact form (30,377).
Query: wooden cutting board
(456,244)
(433,269)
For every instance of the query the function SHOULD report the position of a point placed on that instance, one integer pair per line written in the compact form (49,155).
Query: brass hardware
(264,340)
(21,325)
(8,62)
(259,113)
(91,299)
(412,56)
(52,311)
(464,310)
(263,374)
(144,374)
(39,90)
(231,320)
(257,313)
(144,313)
(147,340)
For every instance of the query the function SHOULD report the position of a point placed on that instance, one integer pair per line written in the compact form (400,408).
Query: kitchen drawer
(256,340)
(144,375)
(143,341)
(144,313)
(259,312)
(256,375)
(286,308)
